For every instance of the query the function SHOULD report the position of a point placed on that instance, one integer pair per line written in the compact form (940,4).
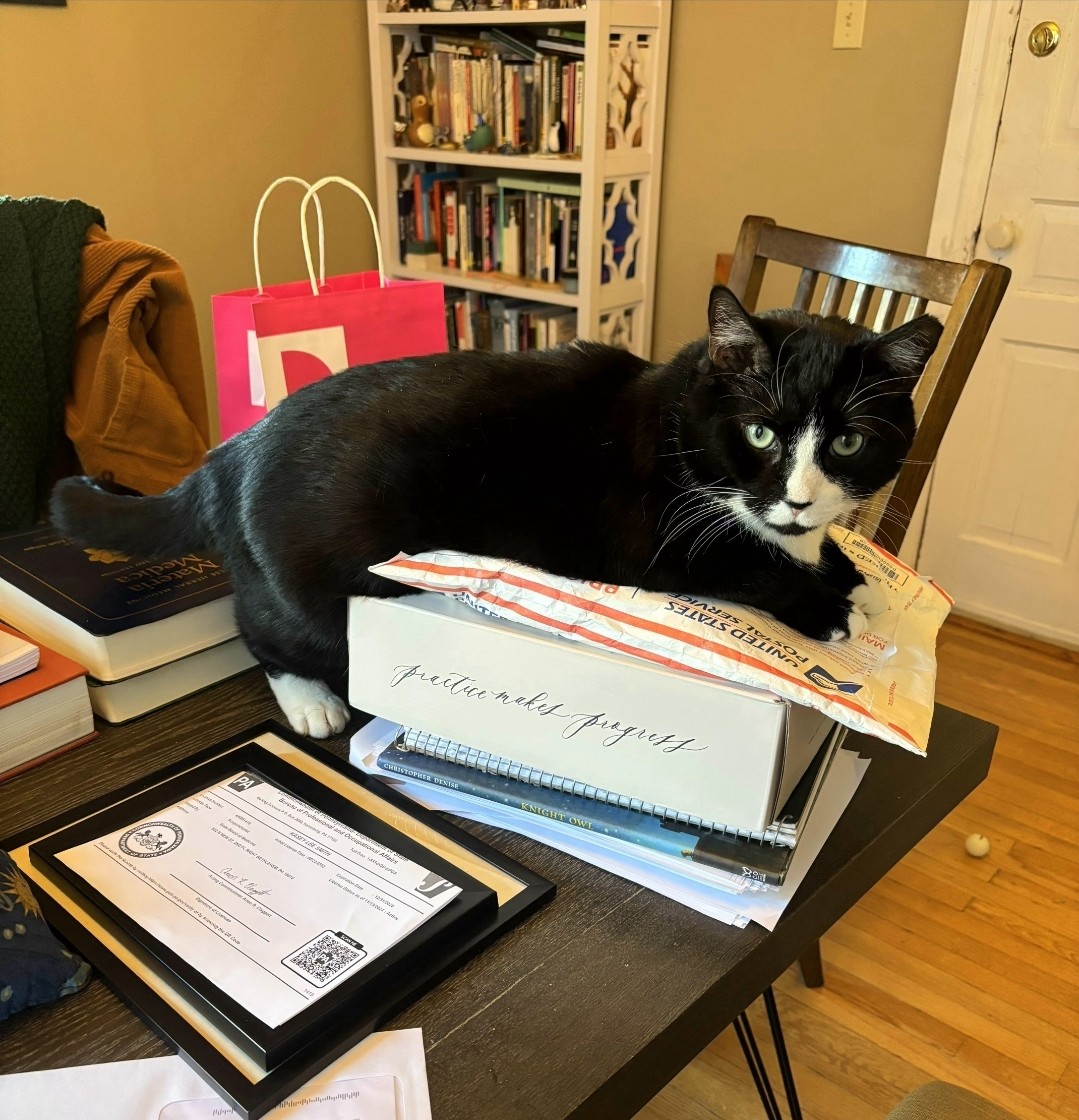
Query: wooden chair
(880,289)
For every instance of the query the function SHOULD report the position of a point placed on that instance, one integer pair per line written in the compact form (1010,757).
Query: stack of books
(147,631)
(704,864)
(44,704)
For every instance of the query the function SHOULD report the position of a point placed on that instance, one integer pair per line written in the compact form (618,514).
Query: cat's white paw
(857,625)
(869,599)
(310,706)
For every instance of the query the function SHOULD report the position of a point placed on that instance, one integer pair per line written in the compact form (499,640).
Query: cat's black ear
(906,349)
(733,343)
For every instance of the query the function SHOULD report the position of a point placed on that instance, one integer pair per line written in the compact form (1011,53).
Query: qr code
(325,957)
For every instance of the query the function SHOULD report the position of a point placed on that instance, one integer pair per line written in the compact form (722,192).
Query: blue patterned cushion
(34,967)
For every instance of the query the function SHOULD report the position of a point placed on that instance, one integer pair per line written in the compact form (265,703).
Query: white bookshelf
(618,310)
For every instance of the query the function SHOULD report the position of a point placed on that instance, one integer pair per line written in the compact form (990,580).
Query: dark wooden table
(589,1007)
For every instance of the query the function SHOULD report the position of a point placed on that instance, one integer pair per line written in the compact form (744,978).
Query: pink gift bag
(241,397)
(349,320)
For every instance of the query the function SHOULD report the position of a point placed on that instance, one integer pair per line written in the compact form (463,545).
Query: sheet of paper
(149,1088)
(839,786)
(714,897)
(272,900)
(357,1098)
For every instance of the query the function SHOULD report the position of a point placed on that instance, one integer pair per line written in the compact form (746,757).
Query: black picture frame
(213,1036)
(370,986)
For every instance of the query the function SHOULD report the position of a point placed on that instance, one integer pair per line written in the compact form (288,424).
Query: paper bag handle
(312,192)
(258,218)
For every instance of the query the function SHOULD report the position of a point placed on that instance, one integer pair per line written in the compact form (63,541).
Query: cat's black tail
(94,513)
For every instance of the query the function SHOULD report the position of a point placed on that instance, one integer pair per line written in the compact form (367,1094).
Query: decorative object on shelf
(420,131)
(481,138)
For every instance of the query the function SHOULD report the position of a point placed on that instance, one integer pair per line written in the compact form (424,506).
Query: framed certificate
(265,906)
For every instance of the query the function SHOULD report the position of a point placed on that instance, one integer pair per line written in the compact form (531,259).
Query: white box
(708,748)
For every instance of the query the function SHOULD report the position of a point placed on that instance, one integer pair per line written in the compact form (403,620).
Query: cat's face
(797,419)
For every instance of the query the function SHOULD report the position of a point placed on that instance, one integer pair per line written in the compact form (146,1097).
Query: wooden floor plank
(951,968)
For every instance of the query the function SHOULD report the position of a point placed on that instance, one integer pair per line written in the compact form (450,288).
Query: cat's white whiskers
(858,379)
(869,420)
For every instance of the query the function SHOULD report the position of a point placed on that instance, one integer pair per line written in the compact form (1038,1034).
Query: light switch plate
(849,24)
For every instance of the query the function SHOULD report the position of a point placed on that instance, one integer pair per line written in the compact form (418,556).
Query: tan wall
(764,117)
(171,116)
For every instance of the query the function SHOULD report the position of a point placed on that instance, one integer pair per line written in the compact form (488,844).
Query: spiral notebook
(782,832)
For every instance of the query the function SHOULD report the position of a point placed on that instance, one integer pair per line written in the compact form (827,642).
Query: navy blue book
(116,615)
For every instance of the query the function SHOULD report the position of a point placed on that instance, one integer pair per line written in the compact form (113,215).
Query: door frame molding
(981,83)
(977,105)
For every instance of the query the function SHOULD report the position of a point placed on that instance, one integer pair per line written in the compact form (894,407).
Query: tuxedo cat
(717,474)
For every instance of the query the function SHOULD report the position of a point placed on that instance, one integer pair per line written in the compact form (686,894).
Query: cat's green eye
(848,443)
(758,436)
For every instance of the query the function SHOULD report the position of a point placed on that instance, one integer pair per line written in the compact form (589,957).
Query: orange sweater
(137,406)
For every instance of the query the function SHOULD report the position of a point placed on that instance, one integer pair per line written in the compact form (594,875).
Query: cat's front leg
(311,706)
(838,571)
(824,614)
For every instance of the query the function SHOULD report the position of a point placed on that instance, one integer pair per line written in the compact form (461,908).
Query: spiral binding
(780,833)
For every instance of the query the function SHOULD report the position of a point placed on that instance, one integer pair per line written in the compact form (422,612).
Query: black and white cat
(717,473)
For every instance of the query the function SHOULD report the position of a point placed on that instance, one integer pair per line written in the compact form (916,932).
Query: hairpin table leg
(785,1070)
(756,1067)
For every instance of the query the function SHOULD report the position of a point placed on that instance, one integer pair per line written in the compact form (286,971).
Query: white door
(1002,524)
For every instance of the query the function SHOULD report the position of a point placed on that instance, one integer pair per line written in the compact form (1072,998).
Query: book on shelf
(17,655)
(43,712)
(763,856)
(562,32)
(477,321)
(566,46)
(113,614)
(123,700)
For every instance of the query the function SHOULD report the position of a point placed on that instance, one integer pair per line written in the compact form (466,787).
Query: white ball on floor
(977,845)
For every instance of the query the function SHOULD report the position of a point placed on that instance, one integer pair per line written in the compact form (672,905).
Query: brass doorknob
(1000,235)
(1044,38)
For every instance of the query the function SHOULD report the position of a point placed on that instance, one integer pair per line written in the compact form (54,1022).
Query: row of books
(527,92)
(707,852)
(476,321)
(518,226)
(137,633)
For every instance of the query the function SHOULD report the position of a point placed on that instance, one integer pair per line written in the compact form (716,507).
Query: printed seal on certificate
(266,906)
(155,838)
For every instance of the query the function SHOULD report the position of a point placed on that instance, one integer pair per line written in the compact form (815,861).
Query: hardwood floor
(952,968)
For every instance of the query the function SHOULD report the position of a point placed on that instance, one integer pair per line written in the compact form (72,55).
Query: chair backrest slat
(804,293)
(859,304)
(833,293)
(886,309)
(915,307)
(972,292)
